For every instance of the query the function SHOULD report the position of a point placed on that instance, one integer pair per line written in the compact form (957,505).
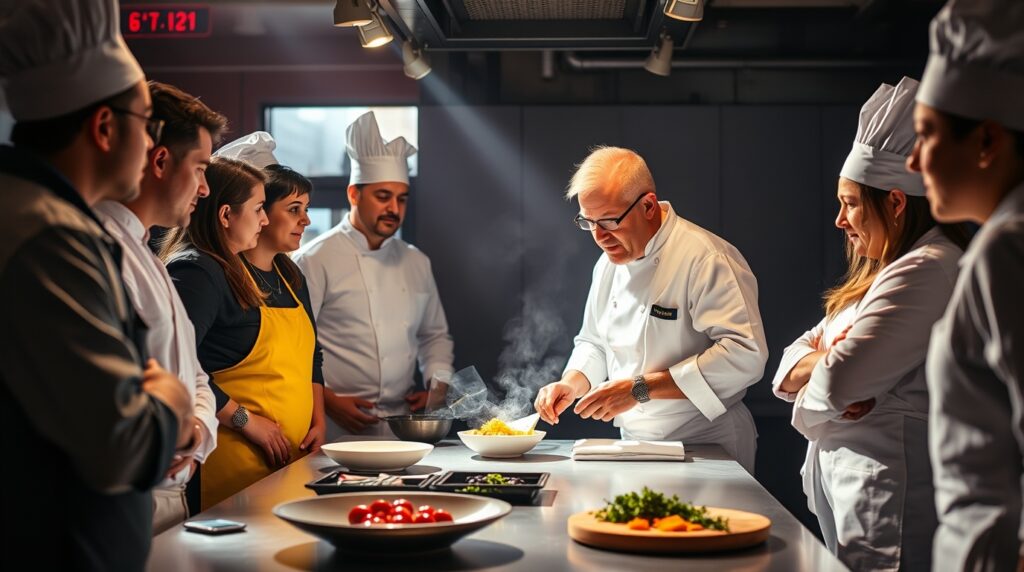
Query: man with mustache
(174,181)
(376,303)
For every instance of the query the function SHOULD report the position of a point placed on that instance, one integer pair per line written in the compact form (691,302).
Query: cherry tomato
(426,509)
(358,514)
(441,515)
(378,520)
(402,518)
(402,503)
(422,518)
(380,505)
(402,510)
(382,514)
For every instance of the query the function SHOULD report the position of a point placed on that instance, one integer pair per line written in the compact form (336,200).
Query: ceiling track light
(660,60)
(685,10)
(415,63)
(349,13)
(375,34)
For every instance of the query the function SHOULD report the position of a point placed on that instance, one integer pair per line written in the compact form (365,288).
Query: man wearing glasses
(671,335)
(91,424)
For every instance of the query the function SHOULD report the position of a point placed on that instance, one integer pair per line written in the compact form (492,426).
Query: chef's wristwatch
(240,417)
(641,392)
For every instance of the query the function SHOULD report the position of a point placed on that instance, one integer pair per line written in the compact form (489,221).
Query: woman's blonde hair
(899,238)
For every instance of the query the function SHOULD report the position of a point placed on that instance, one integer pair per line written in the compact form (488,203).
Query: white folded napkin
(617,450)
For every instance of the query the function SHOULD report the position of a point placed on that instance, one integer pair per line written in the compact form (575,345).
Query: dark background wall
(751,154)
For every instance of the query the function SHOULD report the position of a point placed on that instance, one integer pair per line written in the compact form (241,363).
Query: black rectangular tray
(455,482)
(329,484)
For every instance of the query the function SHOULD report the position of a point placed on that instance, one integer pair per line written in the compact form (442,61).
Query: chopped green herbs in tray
(650,505)
(494,479)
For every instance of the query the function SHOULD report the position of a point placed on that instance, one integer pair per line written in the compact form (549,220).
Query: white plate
(327,517)
(383,456)
(501,446)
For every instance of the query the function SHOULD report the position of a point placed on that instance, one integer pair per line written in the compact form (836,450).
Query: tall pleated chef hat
(373,159)
(885,138)
(59,56)
(976,65)
(256,149)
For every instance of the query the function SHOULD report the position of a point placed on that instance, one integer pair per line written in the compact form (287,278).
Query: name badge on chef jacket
(664,313)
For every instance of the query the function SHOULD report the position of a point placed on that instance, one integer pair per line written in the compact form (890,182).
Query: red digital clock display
(165,21)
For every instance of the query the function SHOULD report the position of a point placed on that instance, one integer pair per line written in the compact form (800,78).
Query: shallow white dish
(501,446)
(383,456)
(327,517)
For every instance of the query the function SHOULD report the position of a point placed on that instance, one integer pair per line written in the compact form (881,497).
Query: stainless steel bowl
(422,428)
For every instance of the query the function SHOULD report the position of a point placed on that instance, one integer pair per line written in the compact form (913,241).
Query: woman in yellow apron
(254,329)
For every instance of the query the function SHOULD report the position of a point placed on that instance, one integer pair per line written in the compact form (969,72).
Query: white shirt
(976,378)
(709,334)
(377,312)
(171,339)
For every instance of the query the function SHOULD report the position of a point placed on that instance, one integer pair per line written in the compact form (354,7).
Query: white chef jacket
(869,473)
(689,306)
(171,339)
(377,312)
(976,379)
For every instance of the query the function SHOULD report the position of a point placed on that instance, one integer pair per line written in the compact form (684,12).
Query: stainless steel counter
(530,538)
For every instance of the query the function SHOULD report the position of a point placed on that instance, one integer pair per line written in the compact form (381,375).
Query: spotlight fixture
(351,13)
(660,60)
(415,62)
(374,34)
(686,10)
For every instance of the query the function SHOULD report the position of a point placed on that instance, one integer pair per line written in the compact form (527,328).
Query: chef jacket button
(657,260)
(641,309)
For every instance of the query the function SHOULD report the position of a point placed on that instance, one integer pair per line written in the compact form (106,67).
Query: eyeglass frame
(602,222)
(153,132)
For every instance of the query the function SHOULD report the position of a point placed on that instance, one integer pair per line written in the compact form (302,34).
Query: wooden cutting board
(745,529)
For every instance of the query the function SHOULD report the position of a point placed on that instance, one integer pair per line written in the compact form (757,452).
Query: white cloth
(377,313)
(621,450)
(171,339)
(714,348)
(976,65)
(860,469)
(256,149)
(885,138)
(976,380)
(373,159)
(59,56)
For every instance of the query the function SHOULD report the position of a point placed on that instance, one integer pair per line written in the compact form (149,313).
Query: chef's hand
(607,400)
(859,409)
(417,400)
(553,399)
(166,387)
(348,411)
(315,437)
(267,435)
(185,457)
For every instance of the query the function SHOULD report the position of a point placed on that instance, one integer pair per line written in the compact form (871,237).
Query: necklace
(270,288)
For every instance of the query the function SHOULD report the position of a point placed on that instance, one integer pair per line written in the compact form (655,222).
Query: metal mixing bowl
(422,428)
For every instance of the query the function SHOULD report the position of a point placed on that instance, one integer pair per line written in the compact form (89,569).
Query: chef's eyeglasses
(154,127)
(605,223)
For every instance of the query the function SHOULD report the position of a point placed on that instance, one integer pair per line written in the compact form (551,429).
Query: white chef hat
(256,149)
(59,56)
(373,160)
(885,137)
(976,65)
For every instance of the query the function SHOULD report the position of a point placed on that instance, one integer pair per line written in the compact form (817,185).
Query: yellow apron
(273,381)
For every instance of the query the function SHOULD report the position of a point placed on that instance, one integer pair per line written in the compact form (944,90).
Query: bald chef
(376,303)
(671,334)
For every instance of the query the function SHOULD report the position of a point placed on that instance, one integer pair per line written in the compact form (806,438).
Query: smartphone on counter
(214,526)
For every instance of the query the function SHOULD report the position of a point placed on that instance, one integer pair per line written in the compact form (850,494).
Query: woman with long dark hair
(857,378)
(260,352)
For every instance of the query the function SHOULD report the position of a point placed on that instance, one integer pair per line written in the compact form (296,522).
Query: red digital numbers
(165,21)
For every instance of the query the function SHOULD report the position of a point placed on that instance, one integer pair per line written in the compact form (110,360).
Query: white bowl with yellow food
(497,440)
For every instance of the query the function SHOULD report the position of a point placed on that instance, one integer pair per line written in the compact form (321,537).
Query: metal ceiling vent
(545,9)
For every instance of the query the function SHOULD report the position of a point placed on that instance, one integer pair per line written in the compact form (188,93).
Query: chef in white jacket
(858,377)
(671,334)
(376,303)
(970,149)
